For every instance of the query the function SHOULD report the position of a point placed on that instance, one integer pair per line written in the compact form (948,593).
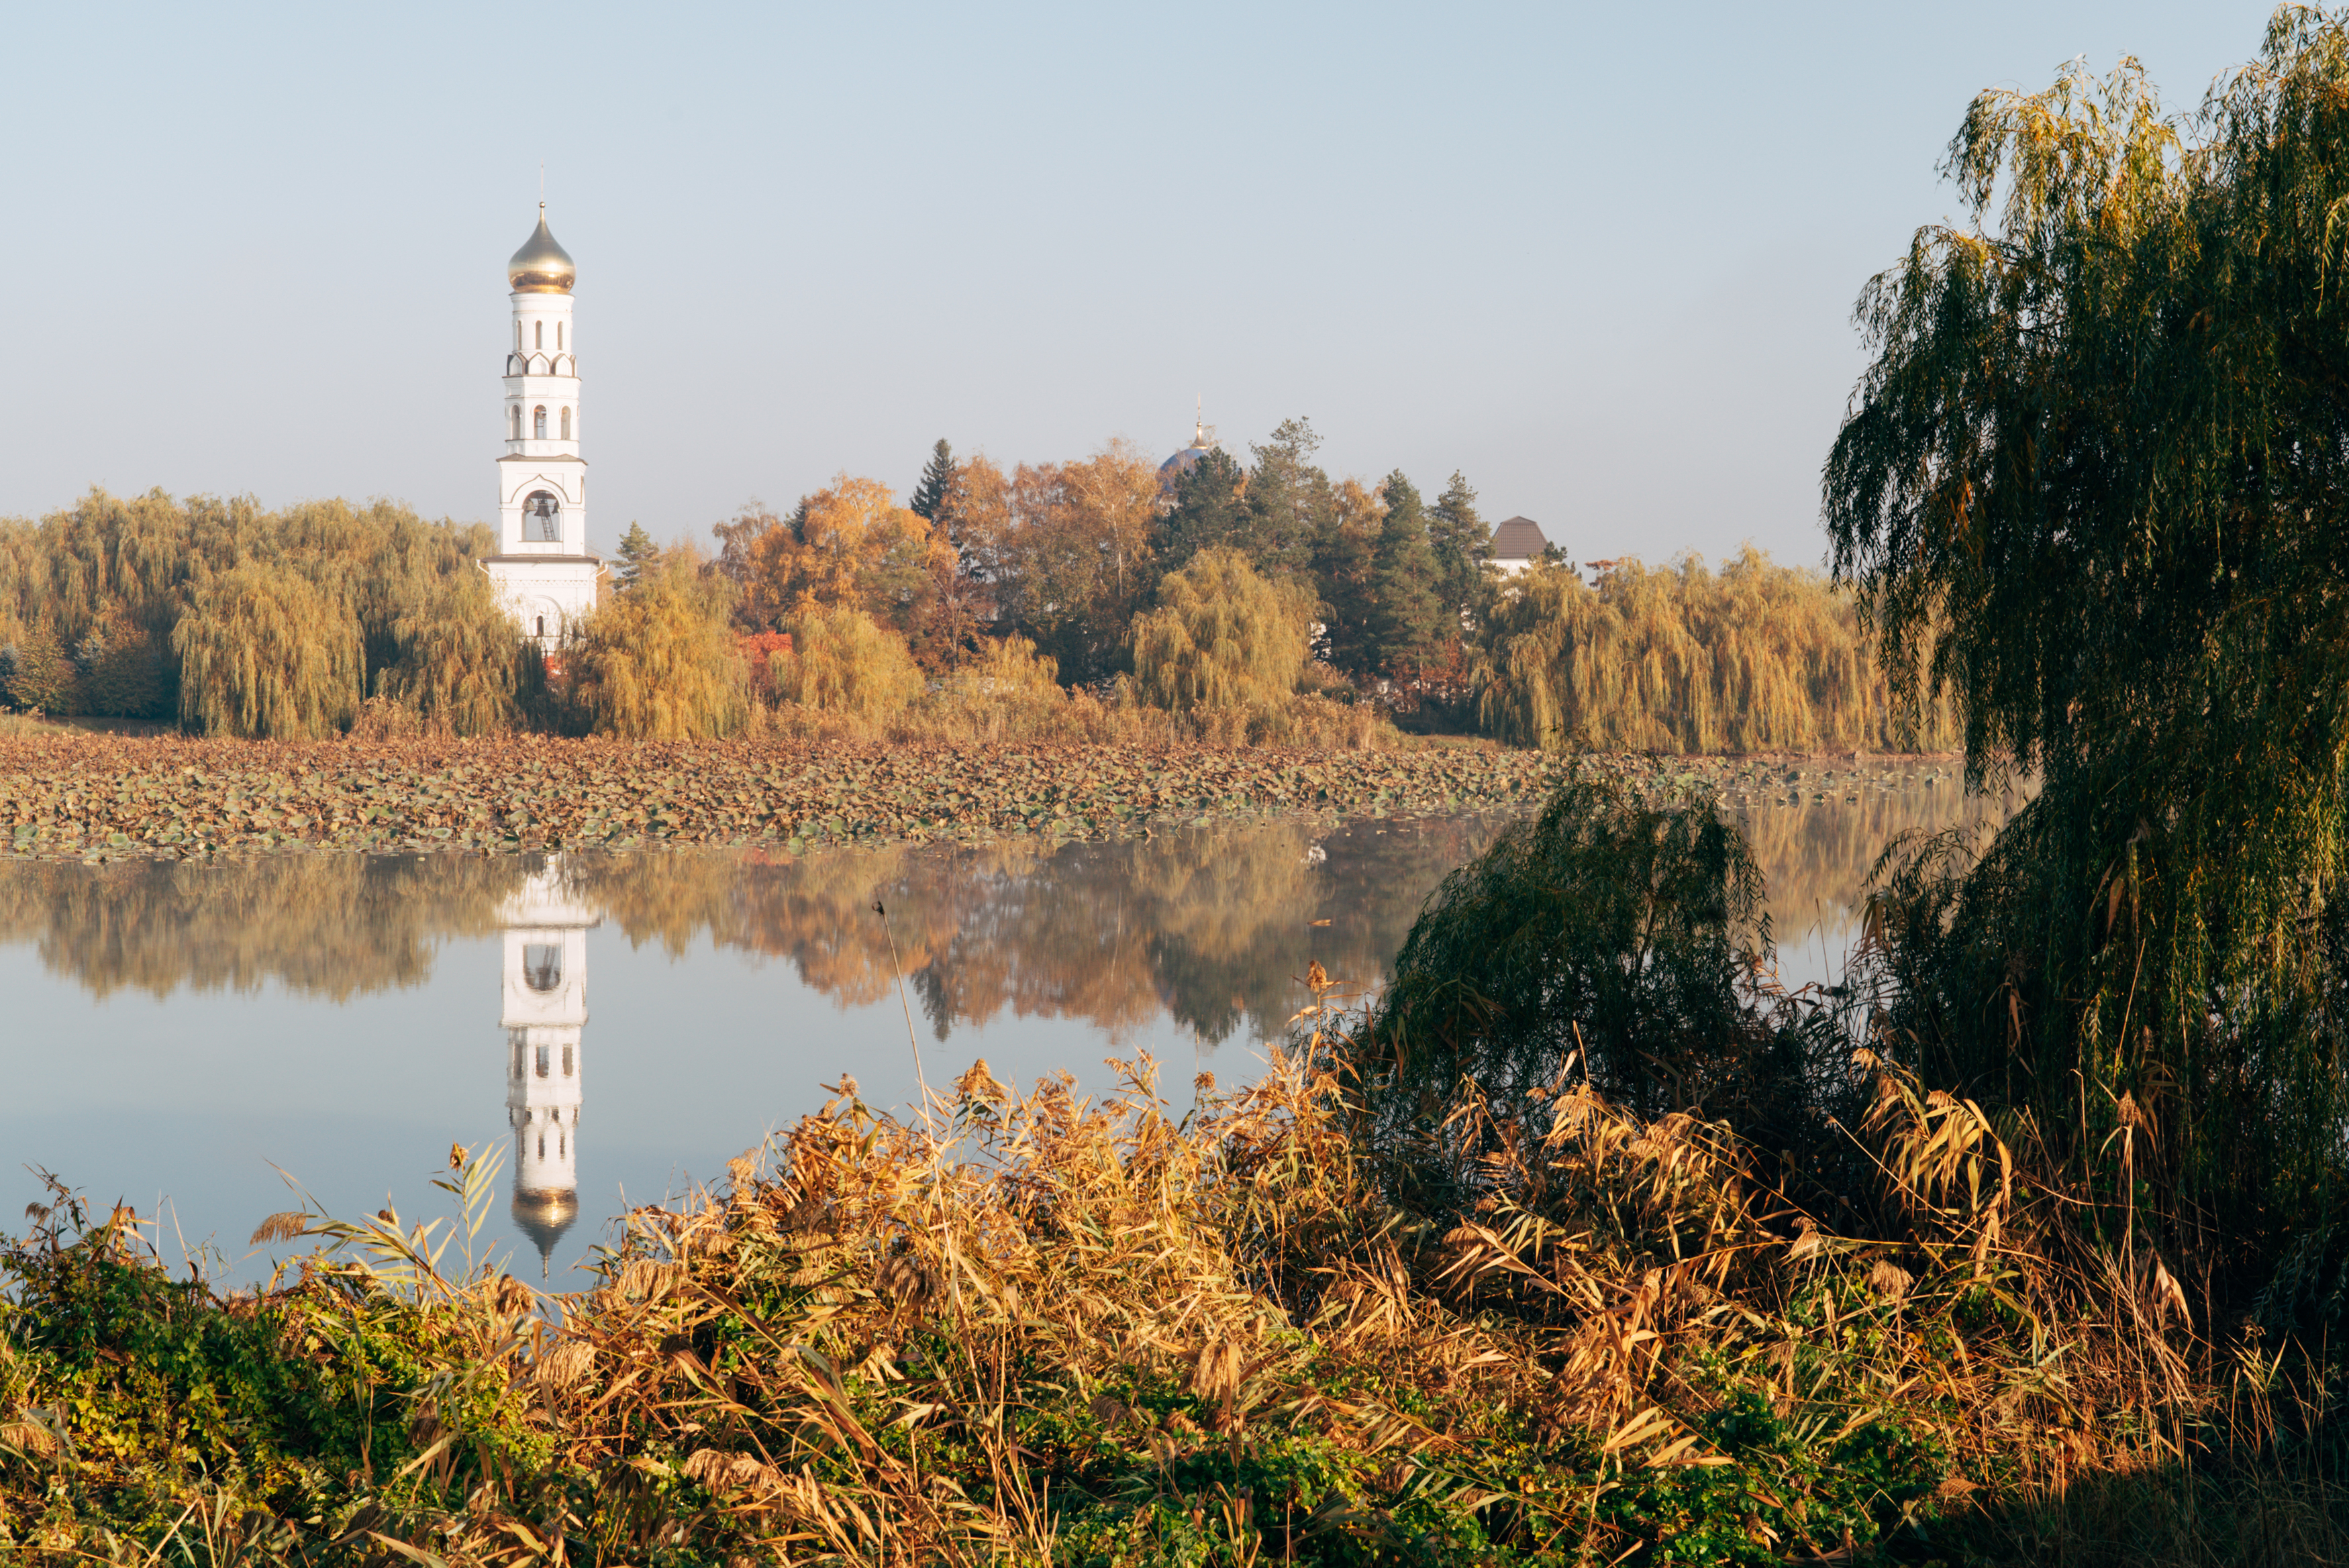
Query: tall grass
(1047,1329)
(1755,658)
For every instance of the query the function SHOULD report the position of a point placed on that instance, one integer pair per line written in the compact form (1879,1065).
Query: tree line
(1260,601)
(1070,555)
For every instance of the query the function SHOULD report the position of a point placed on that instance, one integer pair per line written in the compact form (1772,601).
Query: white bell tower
(543,569)
(544,1013)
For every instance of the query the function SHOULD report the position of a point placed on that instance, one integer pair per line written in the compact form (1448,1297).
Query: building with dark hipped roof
(1518,544)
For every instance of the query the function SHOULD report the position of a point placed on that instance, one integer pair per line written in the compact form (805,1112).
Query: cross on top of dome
(1203,441)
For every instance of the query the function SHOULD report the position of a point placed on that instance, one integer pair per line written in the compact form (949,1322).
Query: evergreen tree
(1289,500)
(1344,557)
(1462,542)
(936,483)
(640,554)
(1210,509)
(1406,617)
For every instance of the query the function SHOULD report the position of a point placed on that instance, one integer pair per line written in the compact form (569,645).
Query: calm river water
(178,1035)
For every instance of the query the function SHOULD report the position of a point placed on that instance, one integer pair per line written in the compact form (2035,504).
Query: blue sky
(1600,258)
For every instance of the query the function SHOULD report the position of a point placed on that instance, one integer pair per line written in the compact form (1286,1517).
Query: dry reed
(1072,1331)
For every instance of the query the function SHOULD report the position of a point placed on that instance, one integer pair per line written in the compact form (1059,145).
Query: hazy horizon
(1601,263)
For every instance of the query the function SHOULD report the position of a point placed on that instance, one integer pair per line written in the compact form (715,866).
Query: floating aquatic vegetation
(82,795)
(114,796)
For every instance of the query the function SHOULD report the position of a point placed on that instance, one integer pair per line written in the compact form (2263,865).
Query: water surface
(184,1037)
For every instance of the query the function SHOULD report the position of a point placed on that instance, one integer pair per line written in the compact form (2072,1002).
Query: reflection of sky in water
(620,1025)
(623,1024)
(1817,854)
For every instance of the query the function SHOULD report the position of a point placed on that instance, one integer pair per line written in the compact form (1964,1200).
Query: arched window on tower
(542,965)
(538,423)
(538,335)
(566,424)
(542,514)
(558,334)
(517,421)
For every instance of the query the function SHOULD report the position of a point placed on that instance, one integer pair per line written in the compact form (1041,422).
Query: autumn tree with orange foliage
(852,546)
(1067,550)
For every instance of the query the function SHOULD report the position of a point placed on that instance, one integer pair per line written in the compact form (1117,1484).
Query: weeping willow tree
(264,653)
(2095,485)
(658,663)
(459,659)
(1222,638)
(842,661)
(112,580)
(1598,942)
(1757,658)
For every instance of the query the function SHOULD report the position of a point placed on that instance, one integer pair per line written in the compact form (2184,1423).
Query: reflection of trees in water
(1815,857)
(324,925)
(1210,927)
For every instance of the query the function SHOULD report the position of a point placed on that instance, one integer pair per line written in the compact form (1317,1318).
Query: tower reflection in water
(545,1010)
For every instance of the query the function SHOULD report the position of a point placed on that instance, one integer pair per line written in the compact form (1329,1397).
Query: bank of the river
(82,795)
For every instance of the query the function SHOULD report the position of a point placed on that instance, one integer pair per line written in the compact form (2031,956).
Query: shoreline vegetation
(81,795)
(1031,1329)
(1098,602)
(1585,1242)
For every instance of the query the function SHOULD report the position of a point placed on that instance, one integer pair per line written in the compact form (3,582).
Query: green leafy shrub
(1604,939)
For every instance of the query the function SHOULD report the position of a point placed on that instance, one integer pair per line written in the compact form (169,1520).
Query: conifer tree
(1344,558)
(638,553)
(1406,616)
(1289,500)
(1209,510)
(936,483)
(1462,542)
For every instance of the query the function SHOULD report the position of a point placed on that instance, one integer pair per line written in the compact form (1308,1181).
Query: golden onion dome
(544,1216)
(540,266)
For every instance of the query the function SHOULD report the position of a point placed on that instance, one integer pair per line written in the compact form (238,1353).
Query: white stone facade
(544,572)
(544,1014)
